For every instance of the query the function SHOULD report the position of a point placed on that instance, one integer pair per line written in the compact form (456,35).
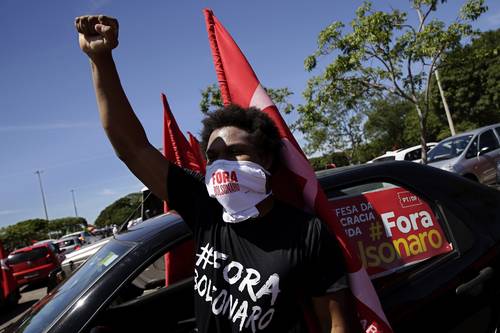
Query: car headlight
(448,167)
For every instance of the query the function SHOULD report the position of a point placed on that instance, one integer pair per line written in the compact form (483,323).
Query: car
(78,257)
(474,154)
(69,244)
(36,263)
(405,154)
(429,239)
(84,236)
(54,242)
(9,291)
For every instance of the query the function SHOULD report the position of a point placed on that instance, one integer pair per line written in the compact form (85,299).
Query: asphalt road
(29,296)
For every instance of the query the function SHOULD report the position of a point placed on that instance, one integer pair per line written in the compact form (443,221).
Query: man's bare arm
(336,312)
(98,35)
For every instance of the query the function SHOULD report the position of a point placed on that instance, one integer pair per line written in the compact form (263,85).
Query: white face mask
(238,186)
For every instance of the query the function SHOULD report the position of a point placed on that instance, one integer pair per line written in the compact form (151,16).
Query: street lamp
(38,172)
(74,202)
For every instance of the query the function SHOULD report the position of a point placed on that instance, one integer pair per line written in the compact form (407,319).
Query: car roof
(73,234)
(29,248)
(474,131)
(153,230)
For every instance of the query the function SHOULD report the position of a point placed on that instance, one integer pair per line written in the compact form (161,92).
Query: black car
(456,288)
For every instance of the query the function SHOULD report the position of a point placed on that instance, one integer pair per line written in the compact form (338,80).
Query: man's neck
(265,206)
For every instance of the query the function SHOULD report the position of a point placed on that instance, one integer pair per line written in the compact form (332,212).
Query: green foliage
(211,99)
(470,76)
(322,162)
(393,124)
(381,55)
(23,233)
(121,210)
(66,225)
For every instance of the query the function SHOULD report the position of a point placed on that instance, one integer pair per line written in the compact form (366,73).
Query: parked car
(36,263)
(84,236)
(69,244)
(54,242)
(474,154)
(438,273)
(78,257)
(9,291)
(405,154)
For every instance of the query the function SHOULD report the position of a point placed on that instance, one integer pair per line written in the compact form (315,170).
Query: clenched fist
(97,34)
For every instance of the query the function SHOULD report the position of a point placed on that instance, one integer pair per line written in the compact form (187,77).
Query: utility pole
(445,104)
(38,172)
(74,202)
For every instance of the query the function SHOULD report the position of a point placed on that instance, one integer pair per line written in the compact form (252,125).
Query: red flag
(295,181)
(195,146)
(178,262)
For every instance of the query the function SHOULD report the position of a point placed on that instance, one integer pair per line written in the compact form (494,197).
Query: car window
(152,292)
(497,129)
(449,148)
(392,228)
(67,242)
(487,141)
(413,155)
(472,151)
(32,255)
(68,291)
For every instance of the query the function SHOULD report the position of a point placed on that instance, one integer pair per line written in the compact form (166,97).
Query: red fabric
(179,262)
(195,146)
(295,181)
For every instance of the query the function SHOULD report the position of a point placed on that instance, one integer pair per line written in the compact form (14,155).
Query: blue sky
(48,114)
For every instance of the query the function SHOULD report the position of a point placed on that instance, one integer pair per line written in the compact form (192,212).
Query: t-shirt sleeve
(326,269)
(187,193)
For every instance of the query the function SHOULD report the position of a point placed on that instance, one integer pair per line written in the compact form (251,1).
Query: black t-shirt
(253,276)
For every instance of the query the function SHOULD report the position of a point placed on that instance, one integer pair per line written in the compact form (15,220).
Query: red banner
(390,228)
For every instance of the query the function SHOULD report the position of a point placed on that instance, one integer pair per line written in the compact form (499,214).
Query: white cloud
(45,127)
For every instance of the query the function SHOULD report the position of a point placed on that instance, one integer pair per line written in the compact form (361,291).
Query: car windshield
(50,307)
(32,255)
(449,148)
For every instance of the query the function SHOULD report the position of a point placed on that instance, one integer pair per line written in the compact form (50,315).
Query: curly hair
(262,132)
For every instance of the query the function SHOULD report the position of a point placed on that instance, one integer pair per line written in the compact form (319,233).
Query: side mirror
(484,150)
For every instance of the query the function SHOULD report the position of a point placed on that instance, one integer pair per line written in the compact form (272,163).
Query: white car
(85,236)
(405,154)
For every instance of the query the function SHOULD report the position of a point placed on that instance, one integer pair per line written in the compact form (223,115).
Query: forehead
(226,136)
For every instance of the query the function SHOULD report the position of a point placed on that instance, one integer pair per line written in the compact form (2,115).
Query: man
(259,262)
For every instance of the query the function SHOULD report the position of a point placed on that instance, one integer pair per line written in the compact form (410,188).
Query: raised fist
(97,34)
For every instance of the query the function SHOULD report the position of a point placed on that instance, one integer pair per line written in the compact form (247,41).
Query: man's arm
(98,35)
(336,312)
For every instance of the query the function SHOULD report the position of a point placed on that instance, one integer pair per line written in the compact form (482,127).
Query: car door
(489,155)
(421,275)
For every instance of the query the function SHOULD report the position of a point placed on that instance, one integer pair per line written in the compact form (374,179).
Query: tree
(66,225)
(392,124)
(470,76)
(211,98)
(120,211)
(385,55)
(23,233)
